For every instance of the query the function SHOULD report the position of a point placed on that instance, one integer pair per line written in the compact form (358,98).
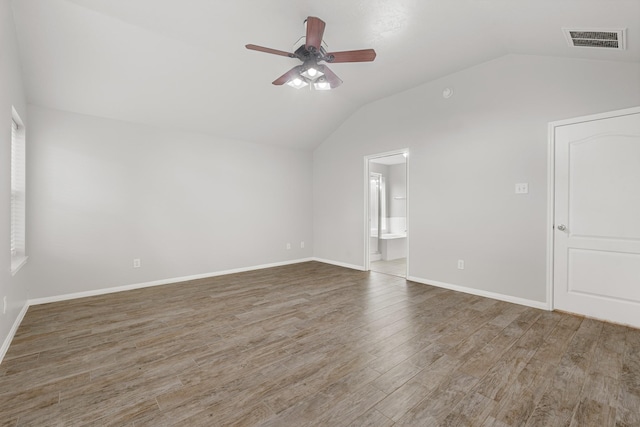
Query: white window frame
(18,193)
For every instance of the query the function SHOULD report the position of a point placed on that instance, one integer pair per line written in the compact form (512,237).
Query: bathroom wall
(395,177)
(397,194)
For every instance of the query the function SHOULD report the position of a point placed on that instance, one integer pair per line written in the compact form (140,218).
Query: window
(18,169)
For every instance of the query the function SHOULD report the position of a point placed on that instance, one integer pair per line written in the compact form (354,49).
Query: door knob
(562,227)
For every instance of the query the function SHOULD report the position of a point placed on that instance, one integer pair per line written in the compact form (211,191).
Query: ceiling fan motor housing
(304,54)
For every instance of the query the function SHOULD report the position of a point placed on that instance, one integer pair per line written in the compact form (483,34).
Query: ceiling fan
(311,53)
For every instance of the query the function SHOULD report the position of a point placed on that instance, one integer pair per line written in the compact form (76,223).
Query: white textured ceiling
(182,63)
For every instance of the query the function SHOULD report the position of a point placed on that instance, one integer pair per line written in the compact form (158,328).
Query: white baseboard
(12,332)
(340,264)
(104,291)
(480,292)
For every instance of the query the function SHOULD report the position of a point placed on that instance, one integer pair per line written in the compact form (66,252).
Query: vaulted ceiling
(182,63)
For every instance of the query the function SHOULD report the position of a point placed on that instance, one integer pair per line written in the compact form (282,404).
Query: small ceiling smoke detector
(596,37)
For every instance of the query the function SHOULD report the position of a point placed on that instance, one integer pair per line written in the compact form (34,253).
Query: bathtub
(390,236)
(393,246)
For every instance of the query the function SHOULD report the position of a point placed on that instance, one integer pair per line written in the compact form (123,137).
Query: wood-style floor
(313,344)
(396,267)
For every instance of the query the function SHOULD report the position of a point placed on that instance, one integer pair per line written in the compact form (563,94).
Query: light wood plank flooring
(313,344)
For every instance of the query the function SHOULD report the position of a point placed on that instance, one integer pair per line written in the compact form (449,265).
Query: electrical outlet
(460,264)
(301,245)
(288,246)
(4,305)
(136,263)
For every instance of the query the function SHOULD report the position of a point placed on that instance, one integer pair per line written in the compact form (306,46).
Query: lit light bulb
(312,72)
(297,82)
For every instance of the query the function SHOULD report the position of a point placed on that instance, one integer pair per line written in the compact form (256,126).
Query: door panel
(603,195)
(593,272)
(597,200)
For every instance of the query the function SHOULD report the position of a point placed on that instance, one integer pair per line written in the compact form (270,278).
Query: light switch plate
(522,188)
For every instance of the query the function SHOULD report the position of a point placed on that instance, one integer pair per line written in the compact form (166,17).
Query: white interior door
(597,218)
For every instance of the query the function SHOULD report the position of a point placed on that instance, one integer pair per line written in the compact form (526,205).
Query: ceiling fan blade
(287,76)
(269,50)
(363,55)
(315,31)
(334,81)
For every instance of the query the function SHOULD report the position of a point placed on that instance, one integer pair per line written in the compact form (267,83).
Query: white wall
(104,192)
(466,154)
(11,94)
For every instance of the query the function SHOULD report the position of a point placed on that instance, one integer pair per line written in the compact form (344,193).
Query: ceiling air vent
(600,38)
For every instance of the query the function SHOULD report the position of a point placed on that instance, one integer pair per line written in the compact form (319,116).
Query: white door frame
(551,185)
(367,231)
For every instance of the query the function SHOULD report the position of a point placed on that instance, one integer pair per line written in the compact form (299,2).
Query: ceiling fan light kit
(297,83)
(321,84)
(311,73)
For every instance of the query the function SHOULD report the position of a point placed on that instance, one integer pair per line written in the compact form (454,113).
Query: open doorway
(386,213)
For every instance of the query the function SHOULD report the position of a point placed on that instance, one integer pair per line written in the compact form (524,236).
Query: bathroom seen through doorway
(387,213)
